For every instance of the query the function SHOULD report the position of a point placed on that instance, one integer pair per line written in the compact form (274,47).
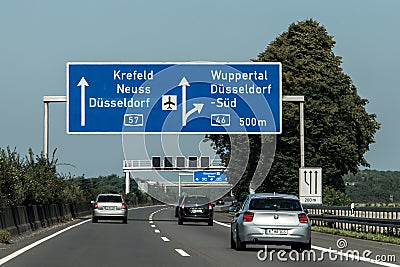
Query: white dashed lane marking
(182,252)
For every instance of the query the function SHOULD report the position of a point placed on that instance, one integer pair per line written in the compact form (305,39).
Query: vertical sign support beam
(300,99)
(127,182)
(46,130)
(302,160)
(46,101)
(179,185)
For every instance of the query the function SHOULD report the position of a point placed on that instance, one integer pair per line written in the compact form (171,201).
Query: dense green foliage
(370,186)
(31,180)
(338,130)
(34,180)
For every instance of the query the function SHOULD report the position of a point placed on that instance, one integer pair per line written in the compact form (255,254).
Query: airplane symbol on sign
(169,102)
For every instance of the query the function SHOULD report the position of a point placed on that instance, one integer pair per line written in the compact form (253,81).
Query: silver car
(271,219)
(110,207)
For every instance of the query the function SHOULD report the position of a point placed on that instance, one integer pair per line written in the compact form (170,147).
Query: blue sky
(39,37)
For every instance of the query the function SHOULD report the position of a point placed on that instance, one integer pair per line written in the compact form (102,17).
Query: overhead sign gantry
(108,98)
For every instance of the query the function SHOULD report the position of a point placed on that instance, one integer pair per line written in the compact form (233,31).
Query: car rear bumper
(256,234)
(110,214)
(191,217)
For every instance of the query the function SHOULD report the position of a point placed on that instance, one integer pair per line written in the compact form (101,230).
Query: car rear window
(109,199)
(275,204)
(196,200)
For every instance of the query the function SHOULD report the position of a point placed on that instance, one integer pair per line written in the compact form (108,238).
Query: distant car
(220,202)
(195,208)
(110,207)
(271,219)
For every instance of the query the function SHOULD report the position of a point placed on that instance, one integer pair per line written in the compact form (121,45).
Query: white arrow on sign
(197,107)
(82,83)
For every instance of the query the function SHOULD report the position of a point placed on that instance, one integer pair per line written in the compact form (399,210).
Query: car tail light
(210,207)
(95,206)
(303,218)
(248,216)
(123,205)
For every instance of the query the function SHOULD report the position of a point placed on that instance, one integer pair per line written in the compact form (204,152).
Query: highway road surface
(152,237)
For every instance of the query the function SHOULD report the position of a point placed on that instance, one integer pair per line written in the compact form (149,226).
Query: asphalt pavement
(153,237)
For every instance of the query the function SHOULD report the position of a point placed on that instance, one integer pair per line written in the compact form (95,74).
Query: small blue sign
(178,98)
(209,177)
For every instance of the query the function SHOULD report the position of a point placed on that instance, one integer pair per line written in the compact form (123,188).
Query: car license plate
(196,210)
(109,208)
(276,231)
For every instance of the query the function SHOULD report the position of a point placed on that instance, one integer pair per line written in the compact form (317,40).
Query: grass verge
(368,236)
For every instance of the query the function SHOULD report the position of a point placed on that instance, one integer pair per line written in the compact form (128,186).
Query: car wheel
(306,246)
(301,247)
(233,244)
(180,221)
(296,247)
(94,220)
(239,245)
(210,222)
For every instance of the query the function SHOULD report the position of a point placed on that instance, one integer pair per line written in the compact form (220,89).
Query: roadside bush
(333,197)
(5,236)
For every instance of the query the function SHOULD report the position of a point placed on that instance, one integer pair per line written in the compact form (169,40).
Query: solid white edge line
(354,257)
(24,249)
(223,224)
(386,264)
(182,252)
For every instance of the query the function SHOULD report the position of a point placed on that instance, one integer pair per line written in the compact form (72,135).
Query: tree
(338,130)
(371,186)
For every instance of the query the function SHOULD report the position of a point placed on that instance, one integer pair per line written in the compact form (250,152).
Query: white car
(271,219)
(110,207)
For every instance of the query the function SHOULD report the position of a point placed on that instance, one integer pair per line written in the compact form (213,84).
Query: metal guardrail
(360,219)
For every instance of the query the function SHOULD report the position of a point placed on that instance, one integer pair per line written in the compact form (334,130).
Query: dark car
(196,208)
(220,202)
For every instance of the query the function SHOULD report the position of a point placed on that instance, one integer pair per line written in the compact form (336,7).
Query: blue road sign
(209,177)
(179,98)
